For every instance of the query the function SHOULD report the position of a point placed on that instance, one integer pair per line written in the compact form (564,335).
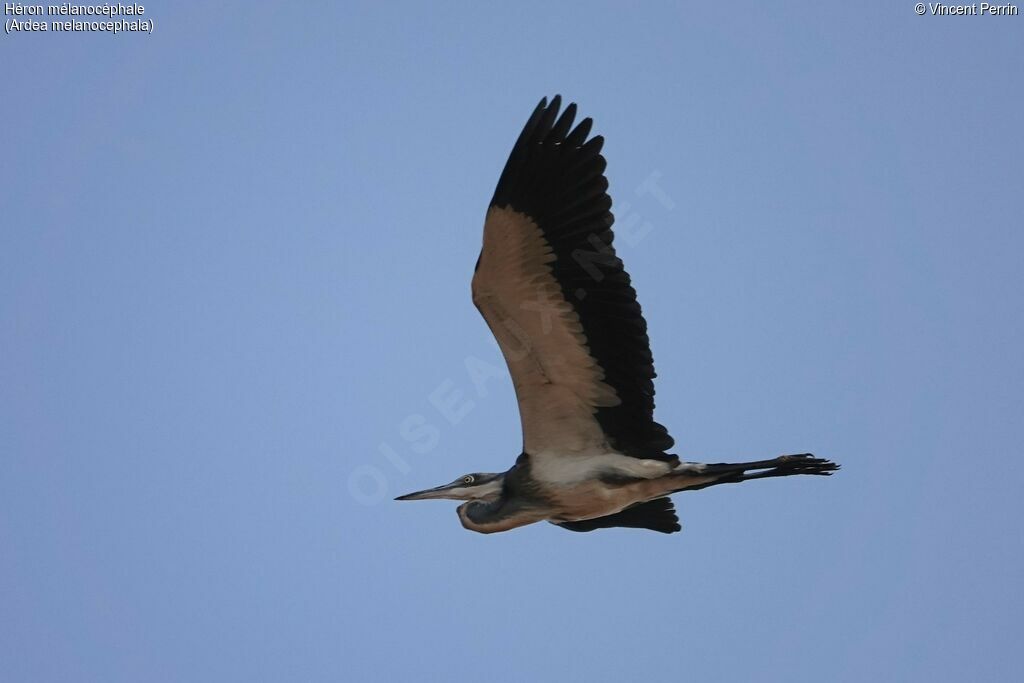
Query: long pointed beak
(428,494)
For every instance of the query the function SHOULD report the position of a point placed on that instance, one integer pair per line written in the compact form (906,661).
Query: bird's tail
(783,466)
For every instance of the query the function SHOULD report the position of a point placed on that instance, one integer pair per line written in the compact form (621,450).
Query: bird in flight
(560,304)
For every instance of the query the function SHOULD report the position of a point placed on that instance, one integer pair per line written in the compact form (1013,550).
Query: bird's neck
(501,514)
(478,514)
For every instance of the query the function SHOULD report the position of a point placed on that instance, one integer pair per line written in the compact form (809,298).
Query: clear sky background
(234,272)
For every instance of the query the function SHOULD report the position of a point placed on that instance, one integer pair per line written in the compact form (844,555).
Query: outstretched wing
(559,302)
(657,515)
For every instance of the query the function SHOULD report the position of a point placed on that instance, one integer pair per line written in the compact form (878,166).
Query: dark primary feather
(556,176)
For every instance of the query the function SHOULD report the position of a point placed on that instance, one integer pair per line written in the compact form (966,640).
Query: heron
(557,299)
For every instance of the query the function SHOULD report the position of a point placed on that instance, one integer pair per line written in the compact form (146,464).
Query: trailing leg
(783,466)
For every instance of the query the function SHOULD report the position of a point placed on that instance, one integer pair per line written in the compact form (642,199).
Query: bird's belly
(591,499)
(588,486)
(595,498)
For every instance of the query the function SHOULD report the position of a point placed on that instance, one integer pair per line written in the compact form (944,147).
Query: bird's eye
(468,479)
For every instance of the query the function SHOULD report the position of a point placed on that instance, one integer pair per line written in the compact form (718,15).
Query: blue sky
(234,275)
